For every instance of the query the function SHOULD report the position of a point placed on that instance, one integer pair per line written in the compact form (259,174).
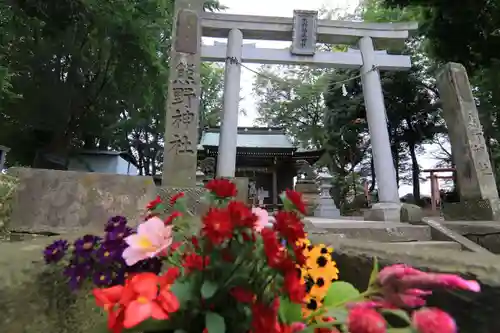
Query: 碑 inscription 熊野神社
(477,186)
(184,97)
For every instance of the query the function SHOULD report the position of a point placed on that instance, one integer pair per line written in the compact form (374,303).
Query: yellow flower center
(145,244)
(142,300)
(106,254)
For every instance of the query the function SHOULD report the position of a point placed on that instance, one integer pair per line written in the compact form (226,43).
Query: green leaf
(398,313)
(208,289)
(340,314)
(179,331)
(214,323)
(183,290)
(180,204)
(290,312)
(287,204)
(339,293)
(374,273)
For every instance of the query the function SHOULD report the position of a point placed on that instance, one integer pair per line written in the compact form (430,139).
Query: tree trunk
(372,171)
(415,172)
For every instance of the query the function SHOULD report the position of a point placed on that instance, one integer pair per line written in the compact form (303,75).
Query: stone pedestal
(326,206)
(384,211)
(309,190)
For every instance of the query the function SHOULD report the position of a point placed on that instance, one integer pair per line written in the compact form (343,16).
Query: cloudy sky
(285,8)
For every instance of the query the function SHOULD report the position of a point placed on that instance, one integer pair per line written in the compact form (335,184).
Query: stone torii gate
(305,30)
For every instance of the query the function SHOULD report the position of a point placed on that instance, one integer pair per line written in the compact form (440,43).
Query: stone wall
(64,201)
(8,187)
(473,312)
(35,297)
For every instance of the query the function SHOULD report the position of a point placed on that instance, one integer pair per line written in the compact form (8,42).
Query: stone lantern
(326,206)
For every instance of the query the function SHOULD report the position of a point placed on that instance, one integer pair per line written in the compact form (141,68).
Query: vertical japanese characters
(182,117)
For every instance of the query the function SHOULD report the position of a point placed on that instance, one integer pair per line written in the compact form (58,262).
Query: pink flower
(433,280)
(365,320)
(262,218)
(433,320)
(152,238)
(405,286)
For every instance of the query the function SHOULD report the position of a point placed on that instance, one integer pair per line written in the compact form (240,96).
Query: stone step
(384,232)
(428,244)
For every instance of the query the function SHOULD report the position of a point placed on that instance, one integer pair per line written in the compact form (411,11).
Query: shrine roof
(251,137)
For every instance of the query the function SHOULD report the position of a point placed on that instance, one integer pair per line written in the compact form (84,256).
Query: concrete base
(374,230)
(384,211)
(428,244)
(472,210)
(193,198)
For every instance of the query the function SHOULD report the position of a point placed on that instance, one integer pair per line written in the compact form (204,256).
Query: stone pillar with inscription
(181,122)
(478,192)
(183,100)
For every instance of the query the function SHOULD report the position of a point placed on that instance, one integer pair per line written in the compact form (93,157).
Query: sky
(285,8)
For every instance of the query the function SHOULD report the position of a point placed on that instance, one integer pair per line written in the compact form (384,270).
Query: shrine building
(265,156)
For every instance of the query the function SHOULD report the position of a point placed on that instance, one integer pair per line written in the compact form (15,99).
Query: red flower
(289,226)
(170,219)
(169,276)
(294,288)
(277,256)
(433,320)
(296,199)
(241,215)
(138,300)
(195,262)
(108,299)
(176,197)
(365,320)
(300,257)
(242,295)
(222,188)
(153,204)
(264,317)
(195,242)
(217,226)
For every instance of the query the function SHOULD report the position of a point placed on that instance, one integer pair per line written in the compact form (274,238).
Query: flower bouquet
(236,275)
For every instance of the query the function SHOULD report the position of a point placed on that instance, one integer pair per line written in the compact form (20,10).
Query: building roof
(123,154)
(251,137)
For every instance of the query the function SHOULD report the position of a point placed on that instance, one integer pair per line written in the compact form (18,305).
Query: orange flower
(143,301)
(129,305)
(109,299)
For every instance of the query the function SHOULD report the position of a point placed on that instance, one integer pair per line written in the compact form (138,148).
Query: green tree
(82,69)
(291,97)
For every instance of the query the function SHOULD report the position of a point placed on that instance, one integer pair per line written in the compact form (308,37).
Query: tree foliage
(86,74)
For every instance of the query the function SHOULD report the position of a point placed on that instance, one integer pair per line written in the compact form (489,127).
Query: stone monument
(183,101)
(326,206)
(477,187)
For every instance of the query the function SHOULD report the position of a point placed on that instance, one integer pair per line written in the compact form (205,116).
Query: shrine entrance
(304,30)
(264,155)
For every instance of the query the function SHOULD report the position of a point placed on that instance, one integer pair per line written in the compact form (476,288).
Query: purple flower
(109,252)
(116,222)
(55,251)
(84,246)
(102,278)
(118,234)
(77,272)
